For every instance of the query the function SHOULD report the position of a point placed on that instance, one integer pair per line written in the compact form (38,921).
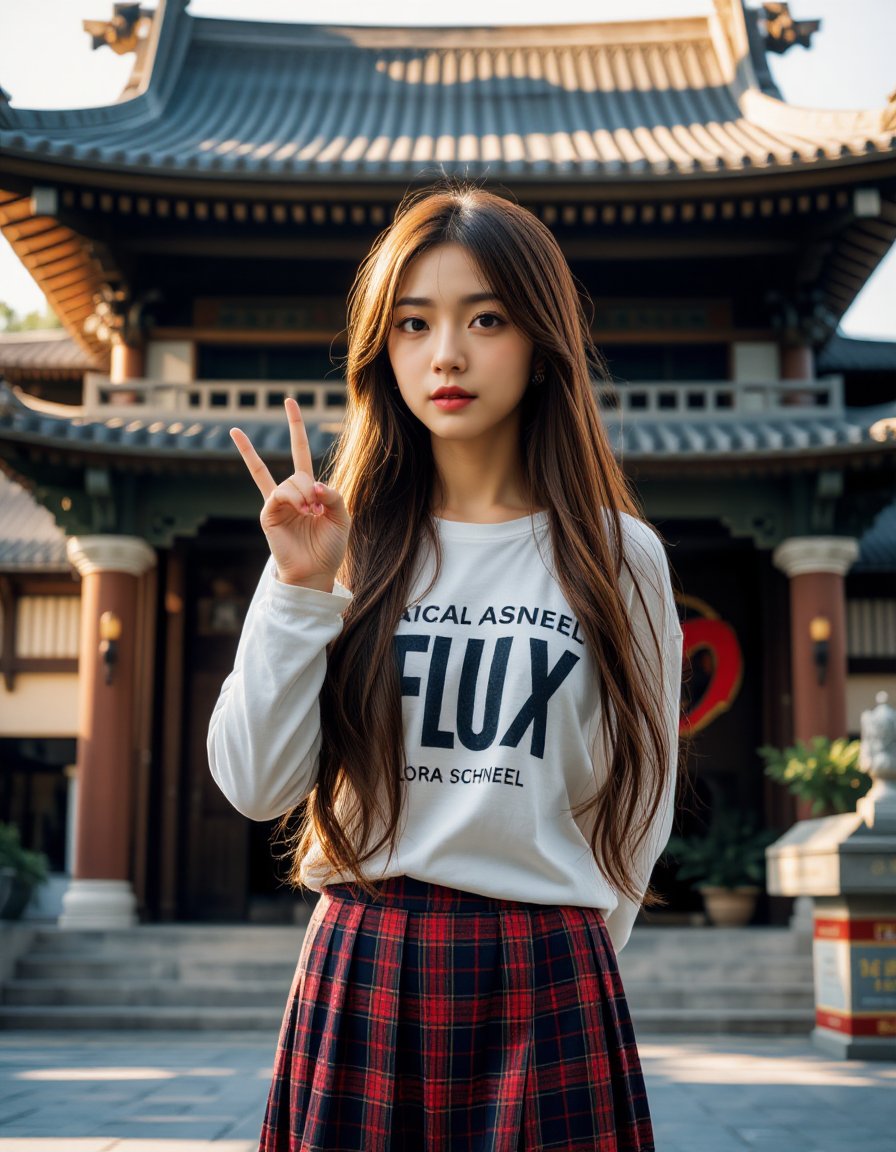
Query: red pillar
(816,566)
(100,894)
(128,362)
(797,363)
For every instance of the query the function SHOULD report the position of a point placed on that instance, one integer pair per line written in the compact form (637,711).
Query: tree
(11,321)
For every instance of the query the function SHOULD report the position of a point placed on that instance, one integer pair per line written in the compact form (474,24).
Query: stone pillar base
(98,904)
(854,1047)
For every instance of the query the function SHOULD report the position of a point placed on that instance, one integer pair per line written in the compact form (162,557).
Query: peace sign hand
(305,522)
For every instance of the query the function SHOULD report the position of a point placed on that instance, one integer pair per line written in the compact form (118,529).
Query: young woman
(464,653)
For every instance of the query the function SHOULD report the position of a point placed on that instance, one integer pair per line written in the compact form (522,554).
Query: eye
(491,316)
(400,324)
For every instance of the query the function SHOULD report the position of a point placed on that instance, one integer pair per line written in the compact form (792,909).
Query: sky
(46,62)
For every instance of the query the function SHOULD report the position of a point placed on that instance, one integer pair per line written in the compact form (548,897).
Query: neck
(478,480)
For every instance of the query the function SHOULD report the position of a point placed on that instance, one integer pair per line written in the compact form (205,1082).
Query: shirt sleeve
(264,732)
(664,678)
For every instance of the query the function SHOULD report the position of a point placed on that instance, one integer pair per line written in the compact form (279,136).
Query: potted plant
(726,864)
(823,774)
(24,872)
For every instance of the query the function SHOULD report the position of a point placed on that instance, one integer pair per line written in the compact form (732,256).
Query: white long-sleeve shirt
(500,709)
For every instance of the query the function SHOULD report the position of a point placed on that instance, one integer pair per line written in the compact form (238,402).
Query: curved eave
(391,180)
(22,172)
(62,264)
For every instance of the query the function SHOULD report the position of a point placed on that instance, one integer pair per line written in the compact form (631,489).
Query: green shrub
(823,771)
(729,854)
(29,870)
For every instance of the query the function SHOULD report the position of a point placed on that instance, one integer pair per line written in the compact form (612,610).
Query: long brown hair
(383,467)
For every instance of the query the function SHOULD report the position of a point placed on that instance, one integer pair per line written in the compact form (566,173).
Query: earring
(537,376)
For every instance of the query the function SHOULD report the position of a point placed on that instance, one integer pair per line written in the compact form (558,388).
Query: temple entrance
(230,870)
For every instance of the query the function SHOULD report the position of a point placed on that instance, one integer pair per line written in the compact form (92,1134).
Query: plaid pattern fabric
(437,1020)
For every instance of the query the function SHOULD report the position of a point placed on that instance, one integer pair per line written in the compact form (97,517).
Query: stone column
(816,566)
(100,894)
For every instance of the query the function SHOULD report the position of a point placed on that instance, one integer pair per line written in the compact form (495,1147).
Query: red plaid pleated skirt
(438,1020)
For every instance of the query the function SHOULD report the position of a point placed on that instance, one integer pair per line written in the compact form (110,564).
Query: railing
(217,399)
(323,401)
(719,399)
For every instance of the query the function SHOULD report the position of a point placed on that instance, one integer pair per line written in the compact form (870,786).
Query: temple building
(198,237)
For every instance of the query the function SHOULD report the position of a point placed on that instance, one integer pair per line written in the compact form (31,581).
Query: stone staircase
(197,977)
(721,980)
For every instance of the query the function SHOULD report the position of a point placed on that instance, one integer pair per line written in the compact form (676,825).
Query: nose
(447,356)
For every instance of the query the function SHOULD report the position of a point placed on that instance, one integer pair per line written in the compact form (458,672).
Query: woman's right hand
(305,522)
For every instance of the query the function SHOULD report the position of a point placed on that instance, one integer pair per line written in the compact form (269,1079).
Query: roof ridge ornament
(125,32)
(888,114)
(781,31)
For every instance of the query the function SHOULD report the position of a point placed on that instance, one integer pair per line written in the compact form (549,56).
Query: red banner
(872,930)
(878,1024)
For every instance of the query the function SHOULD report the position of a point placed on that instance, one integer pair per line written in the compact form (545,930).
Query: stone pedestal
(847,864)
(854,961)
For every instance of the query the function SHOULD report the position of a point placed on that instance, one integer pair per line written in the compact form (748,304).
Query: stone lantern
(847,864)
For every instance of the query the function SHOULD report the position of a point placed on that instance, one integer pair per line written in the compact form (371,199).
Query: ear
(536,373)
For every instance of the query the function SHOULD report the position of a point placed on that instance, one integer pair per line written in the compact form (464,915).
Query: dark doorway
(231,866)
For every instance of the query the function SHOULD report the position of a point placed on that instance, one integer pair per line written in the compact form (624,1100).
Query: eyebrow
(425,302)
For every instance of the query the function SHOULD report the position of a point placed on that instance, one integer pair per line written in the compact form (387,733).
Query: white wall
(170,360)
(43,704)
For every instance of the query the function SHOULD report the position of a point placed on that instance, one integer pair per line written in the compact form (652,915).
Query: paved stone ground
(150,1092)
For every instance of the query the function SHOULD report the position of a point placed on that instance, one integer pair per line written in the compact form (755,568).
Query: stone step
(756,1021)
(762,940)
(57,966)
(137,993)
(152,939)
(238,977)
(647,1021)
(726,995)
(756,972)
(684,944)
(149,942)
(273,994)
(64,1017)
(222,971)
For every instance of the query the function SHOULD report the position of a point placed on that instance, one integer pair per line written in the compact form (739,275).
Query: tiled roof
(842,354)
(634,437)
(683,438)
(629,100)
(29,536)
(877,547)
(41,351)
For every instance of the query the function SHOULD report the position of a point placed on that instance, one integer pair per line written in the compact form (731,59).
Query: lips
(451,393)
